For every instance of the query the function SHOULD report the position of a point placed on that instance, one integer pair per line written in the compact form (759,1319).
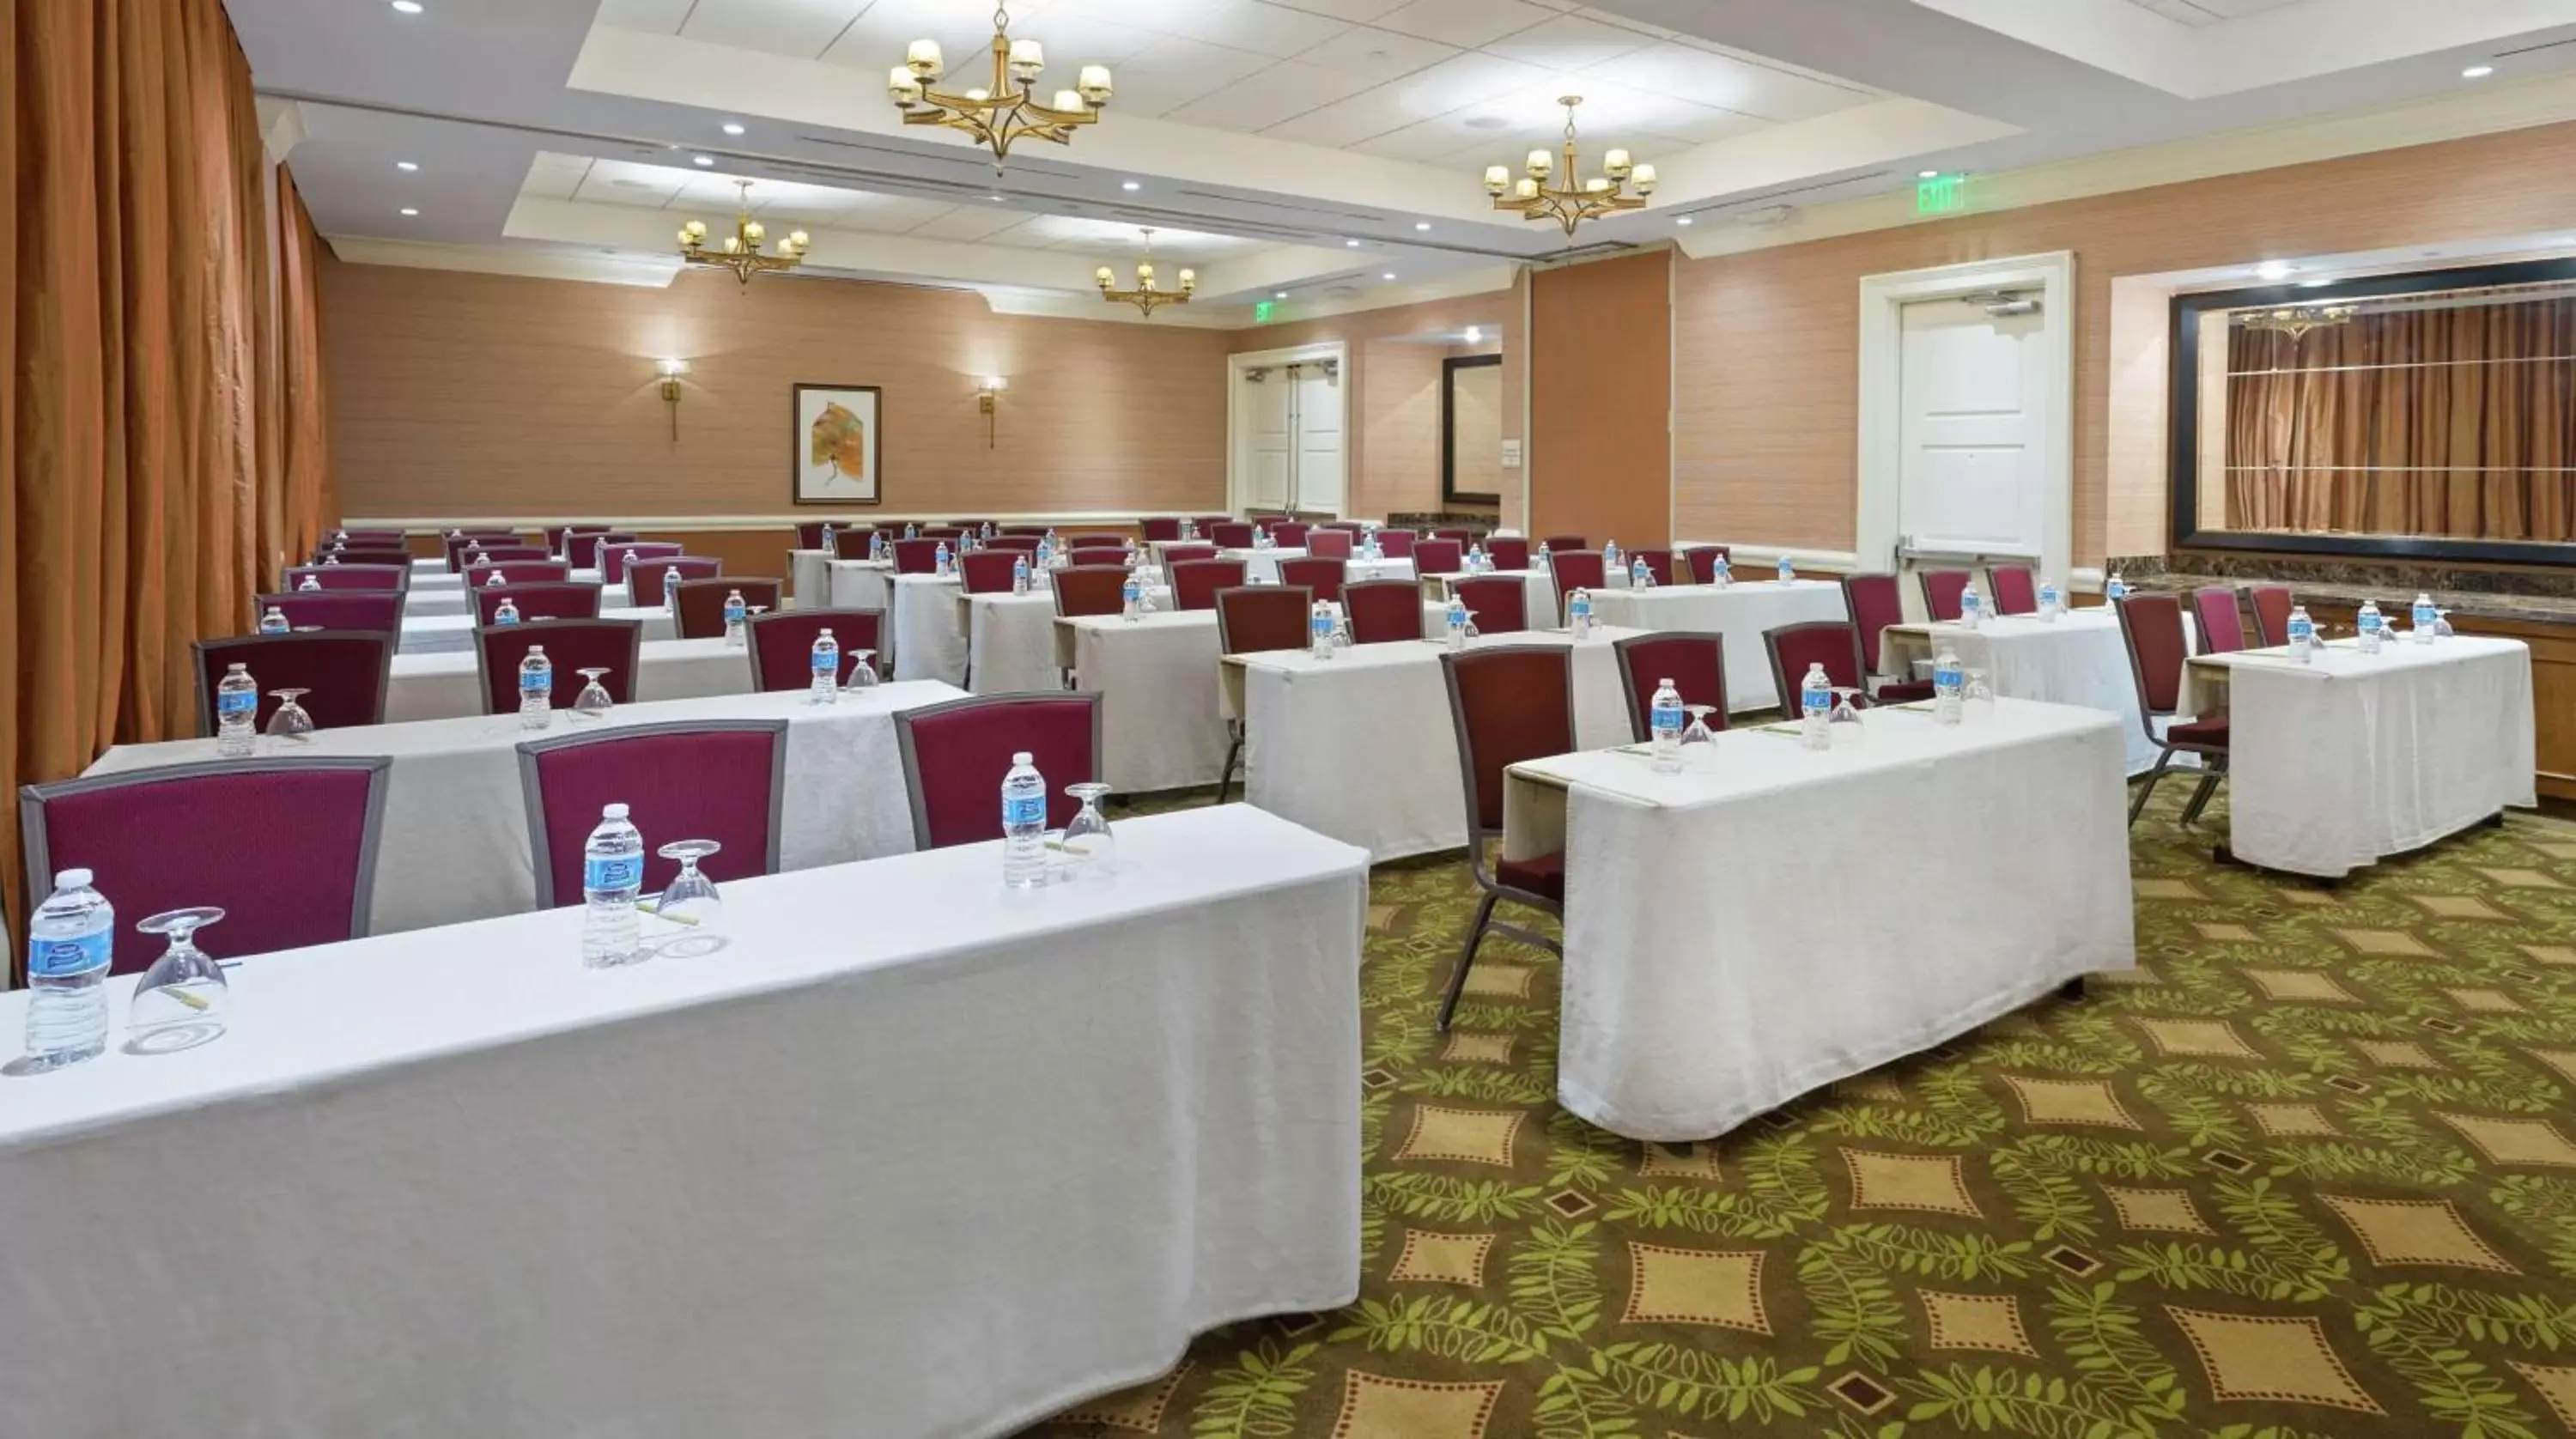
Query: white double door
(1289,423)
(1972,478)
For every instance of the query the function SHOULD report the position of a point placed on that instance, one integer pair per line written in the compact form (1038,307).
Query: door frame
(1235,365)
(1883,299)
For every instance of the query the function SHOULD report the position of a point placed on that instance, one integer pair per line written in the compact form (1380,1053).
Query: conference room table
(857,585)
(1013,638)
(1261,567)
(1741,611)
(809,578)
(2077,658)
(444,634)
(2345,760)
(930,643)
(455,842)
(445,685)
(459,1184)
(1873,900)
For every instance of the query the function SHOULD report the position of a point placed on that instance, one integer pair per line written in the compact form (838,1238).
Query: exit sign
(1262,310)
(1940,194)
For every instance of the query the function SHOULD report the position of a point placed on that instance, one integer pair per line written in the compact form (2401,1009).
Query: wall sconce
(673,371)
(988,396)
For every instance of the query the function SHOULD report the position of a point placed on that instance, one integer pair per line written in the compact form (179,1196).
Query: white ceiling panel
(971,222)
(1706,78)
(1273,30)
(1174,71)
(1468,23)
(1362,10)
(654,17)
(1569,42)
(1376,56)
(802,28)
(554,177)
(876,40)
(1267,97)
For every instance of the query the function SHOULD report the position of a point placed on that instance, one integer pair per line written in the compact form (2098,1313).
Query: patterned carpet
(2310,1171)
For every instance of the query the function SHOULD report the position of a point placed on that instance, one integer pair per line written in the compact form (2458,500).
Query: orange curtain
(2450,422)
(143,493)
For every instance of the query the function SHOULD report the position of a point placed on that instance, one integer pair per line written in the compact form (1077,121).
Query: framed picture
(839,445)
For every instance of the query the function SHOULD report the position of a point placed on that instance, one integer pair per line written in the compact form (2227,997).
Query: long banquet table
(445,685)
(452,1183)
(2076,659)
(1740,611)
(1776,918)
(449,634)
(455,840)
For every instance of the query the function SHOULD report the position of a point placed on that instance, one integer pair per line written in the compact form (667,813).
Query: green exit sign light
(1262,310)
(1940,194)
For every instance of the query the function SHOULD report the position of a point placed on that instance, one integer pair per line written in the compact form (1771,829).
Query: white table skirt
(2076,659)
(1741,612)
(1012,638)
(861,585)
(929,634)
(1361,747)
(451,1183)
(2335,764)
(1867,903)
(455,840)
(444,686)
(809,578)
(424,602)
(1162,726)
(451,634)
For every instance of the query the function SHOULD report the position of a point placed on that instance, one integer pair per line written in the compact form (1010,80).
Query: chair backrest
(336,609)
(1509,703)
(2222,623)
(702,603)
(1508,552)
(1396,544)
(1835,644)
(1324,544)
(809,534)
(2271,605)
(2151,627)
(519,572)
(1701,561)
(1351,527)
(1182,554)
(1694,660)
(343,672)
(1195,583)
(1023,544)
(951,533)
(554,600)
(1873,602)
(502,553)
(583,549)
(989,572)
(563,538)
(1092,540)
(1438,557)
(698,779)
(1231,535)
(1290,534)
(571,646)
(1321,575)
(955,754)
(614,558)
(1090,590)
(363,535)
(1659,563)
(1253,618)
(2014,591)
(1498,603)
(1559,544)
(1205,523)
(346,576)
(853,543)
(287,848)
(1575,570)
(782,644)
(1160,528)
(1459,533)
(1096,556)
(365,555)
(644,575)
(1941,591)
(919,557)
(1381,611)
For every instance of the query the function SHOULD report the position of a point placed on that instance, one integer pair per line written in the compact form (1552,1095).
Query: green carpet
(2309,1171)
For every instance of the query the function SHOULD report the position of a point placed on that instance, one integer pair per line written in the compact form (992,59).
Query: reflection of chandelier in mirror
(1576,199)
(741,252)
(1146,296)
(1006,109)
(2297,320)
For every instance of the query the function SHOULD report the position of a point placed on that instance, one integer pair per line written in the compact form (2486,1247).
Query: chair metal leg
(1233,751)
(2200,796)
(2138,806)
(1466,957)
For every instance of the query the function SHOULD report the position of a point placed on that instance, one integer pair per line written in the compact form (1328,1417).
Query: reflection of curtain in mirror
(2432,422)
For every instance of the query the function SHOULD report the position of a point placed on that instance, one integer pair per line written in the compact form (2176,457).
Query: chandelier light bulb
(923,59)
(1095,84)
(1028,57)
(1068,102)
(1615,163)
(1541,163)
(1498,179)
(903,87)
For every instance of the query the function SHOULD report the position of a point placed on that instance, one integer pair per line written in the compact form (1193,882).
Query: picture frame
(835,429)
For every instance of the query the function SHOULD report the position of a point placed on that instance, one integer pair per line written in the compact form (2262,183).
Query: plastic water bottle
(825,661)
(1024,795)
(911,530)
(612,874)
(1721,573)
(1543,559)
(876,544)
(1664,727)
(670,590)
(477,558)
(2114,590)
(2303,635)
(1189,528)
(273,622)
(2370,626)
(1131,598)
(506,613)
(1578,614)
(736,636)
(1053,544)
(1477,560)
(940,558)
(1640,577)
(308,584)
(236,713)
(1457,618)
(1971,608)
(1020,575)
(1046,555)
(536,689)
(1320,626)
(70,940)
(1788,571)
(2427,618)
(1610,557)
(2048,601)
(829,552)
(1816,709)
(1949,688)
(495,578)
(332,558)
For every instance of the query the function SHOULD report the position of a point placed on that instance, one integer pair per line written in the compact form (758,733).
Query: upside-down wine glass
(1979,697)
(690,899)
(292,722)
(1088,845)
(180,1002)
(593,701)
(1697,732)
(863,675)
(1843,725)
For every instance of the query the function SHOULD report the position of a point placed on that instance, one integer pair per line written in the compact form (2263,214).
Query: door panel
(1971,477)
(1270,461)
(1319,442)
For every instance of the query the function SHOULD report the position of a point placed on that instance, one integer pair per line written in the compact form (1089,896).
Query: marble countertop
(2464,604)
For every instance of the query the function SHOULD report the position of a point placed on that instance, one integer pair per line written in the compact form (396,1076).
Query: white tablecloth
(1261,567)
(929,634)
(453,1184)
(1741,934)
(1360,746)
(448,634)
(809,580)
(455,842)
(2332,765)
(1012,638)
(1741,612)
(423,601)
(443,686)
(2076,659)
(861,585)
(1162,727)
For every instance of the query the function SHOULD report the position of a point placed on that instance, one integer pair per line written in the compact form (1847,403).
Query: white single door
(1269,439)
(1319,441)
(1973,417)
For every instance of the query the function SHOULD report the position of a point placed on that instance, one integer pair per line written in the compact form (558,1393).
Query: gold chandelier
(2296,321)
(1576,199)
(1145,296)
(1005,110)
(741,252)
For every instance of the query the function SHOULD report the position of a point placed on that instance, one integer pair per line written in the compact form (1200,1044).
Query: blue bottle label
(1024,809)
(1323,627)
(1949,679)
(827,662)
(1668,716)
(733,614)
(229,706)
(613,872)
(540,683)
(1816,699)
(54,958)
(2369,621)
(1130,591)
(2425,617)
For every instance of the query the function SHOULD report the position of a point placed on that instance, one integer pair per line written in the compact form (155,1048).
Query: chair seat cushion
(1899,692)
(2208,733)
(1539,874)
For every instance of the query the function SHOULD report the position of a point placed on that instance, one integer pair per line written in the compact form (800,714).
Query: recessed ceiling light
(996,199)
(1927,174)
(2314,284)
(732,128)
(1421,224)
(1131,185)
(1389,275)
(409,210)
(1280,296)
(406,7)
(702,161)
(2477,72)
(406,166)
(2275,270)
(1681,219)
(1354,244)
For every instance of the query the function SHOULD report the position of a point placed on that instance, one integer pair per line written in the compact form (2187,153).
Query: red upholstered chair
(343,674)
(702,603)
(1659,563)
(562,539)
(519,572)
(1508,552)
(919,557)
(1323,544)
(583,549)
(2014,591)
(1017,544)
(698,779)
(614,558)
(1290,535)
(336,609)
(782,644)
(955,754)
(2271,605)
(809,534)
(1701,561)
(644,576)
(1874,602)
(1835,644)
(1941,591)
(1313,572)
(1160,528)
(1499,604)
(562,600)
(1206,523)
(2222,624)
(854,543)
(500,554)
(346,576)
(1255,619)
(1097,540)
(1695,661)
(1097,556)
(354,555)
(459,546)
(1194,584)
(571,646)
(1559,544)
(2151,627)
(1459,533)
(287,848)
(951,533)
(1182,554)
(1509,703)
(1438,557)
(1090,590)
(1575,570)
(988,572)
(360,535)
(1230,535)
(1381,611)
(1396,544)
